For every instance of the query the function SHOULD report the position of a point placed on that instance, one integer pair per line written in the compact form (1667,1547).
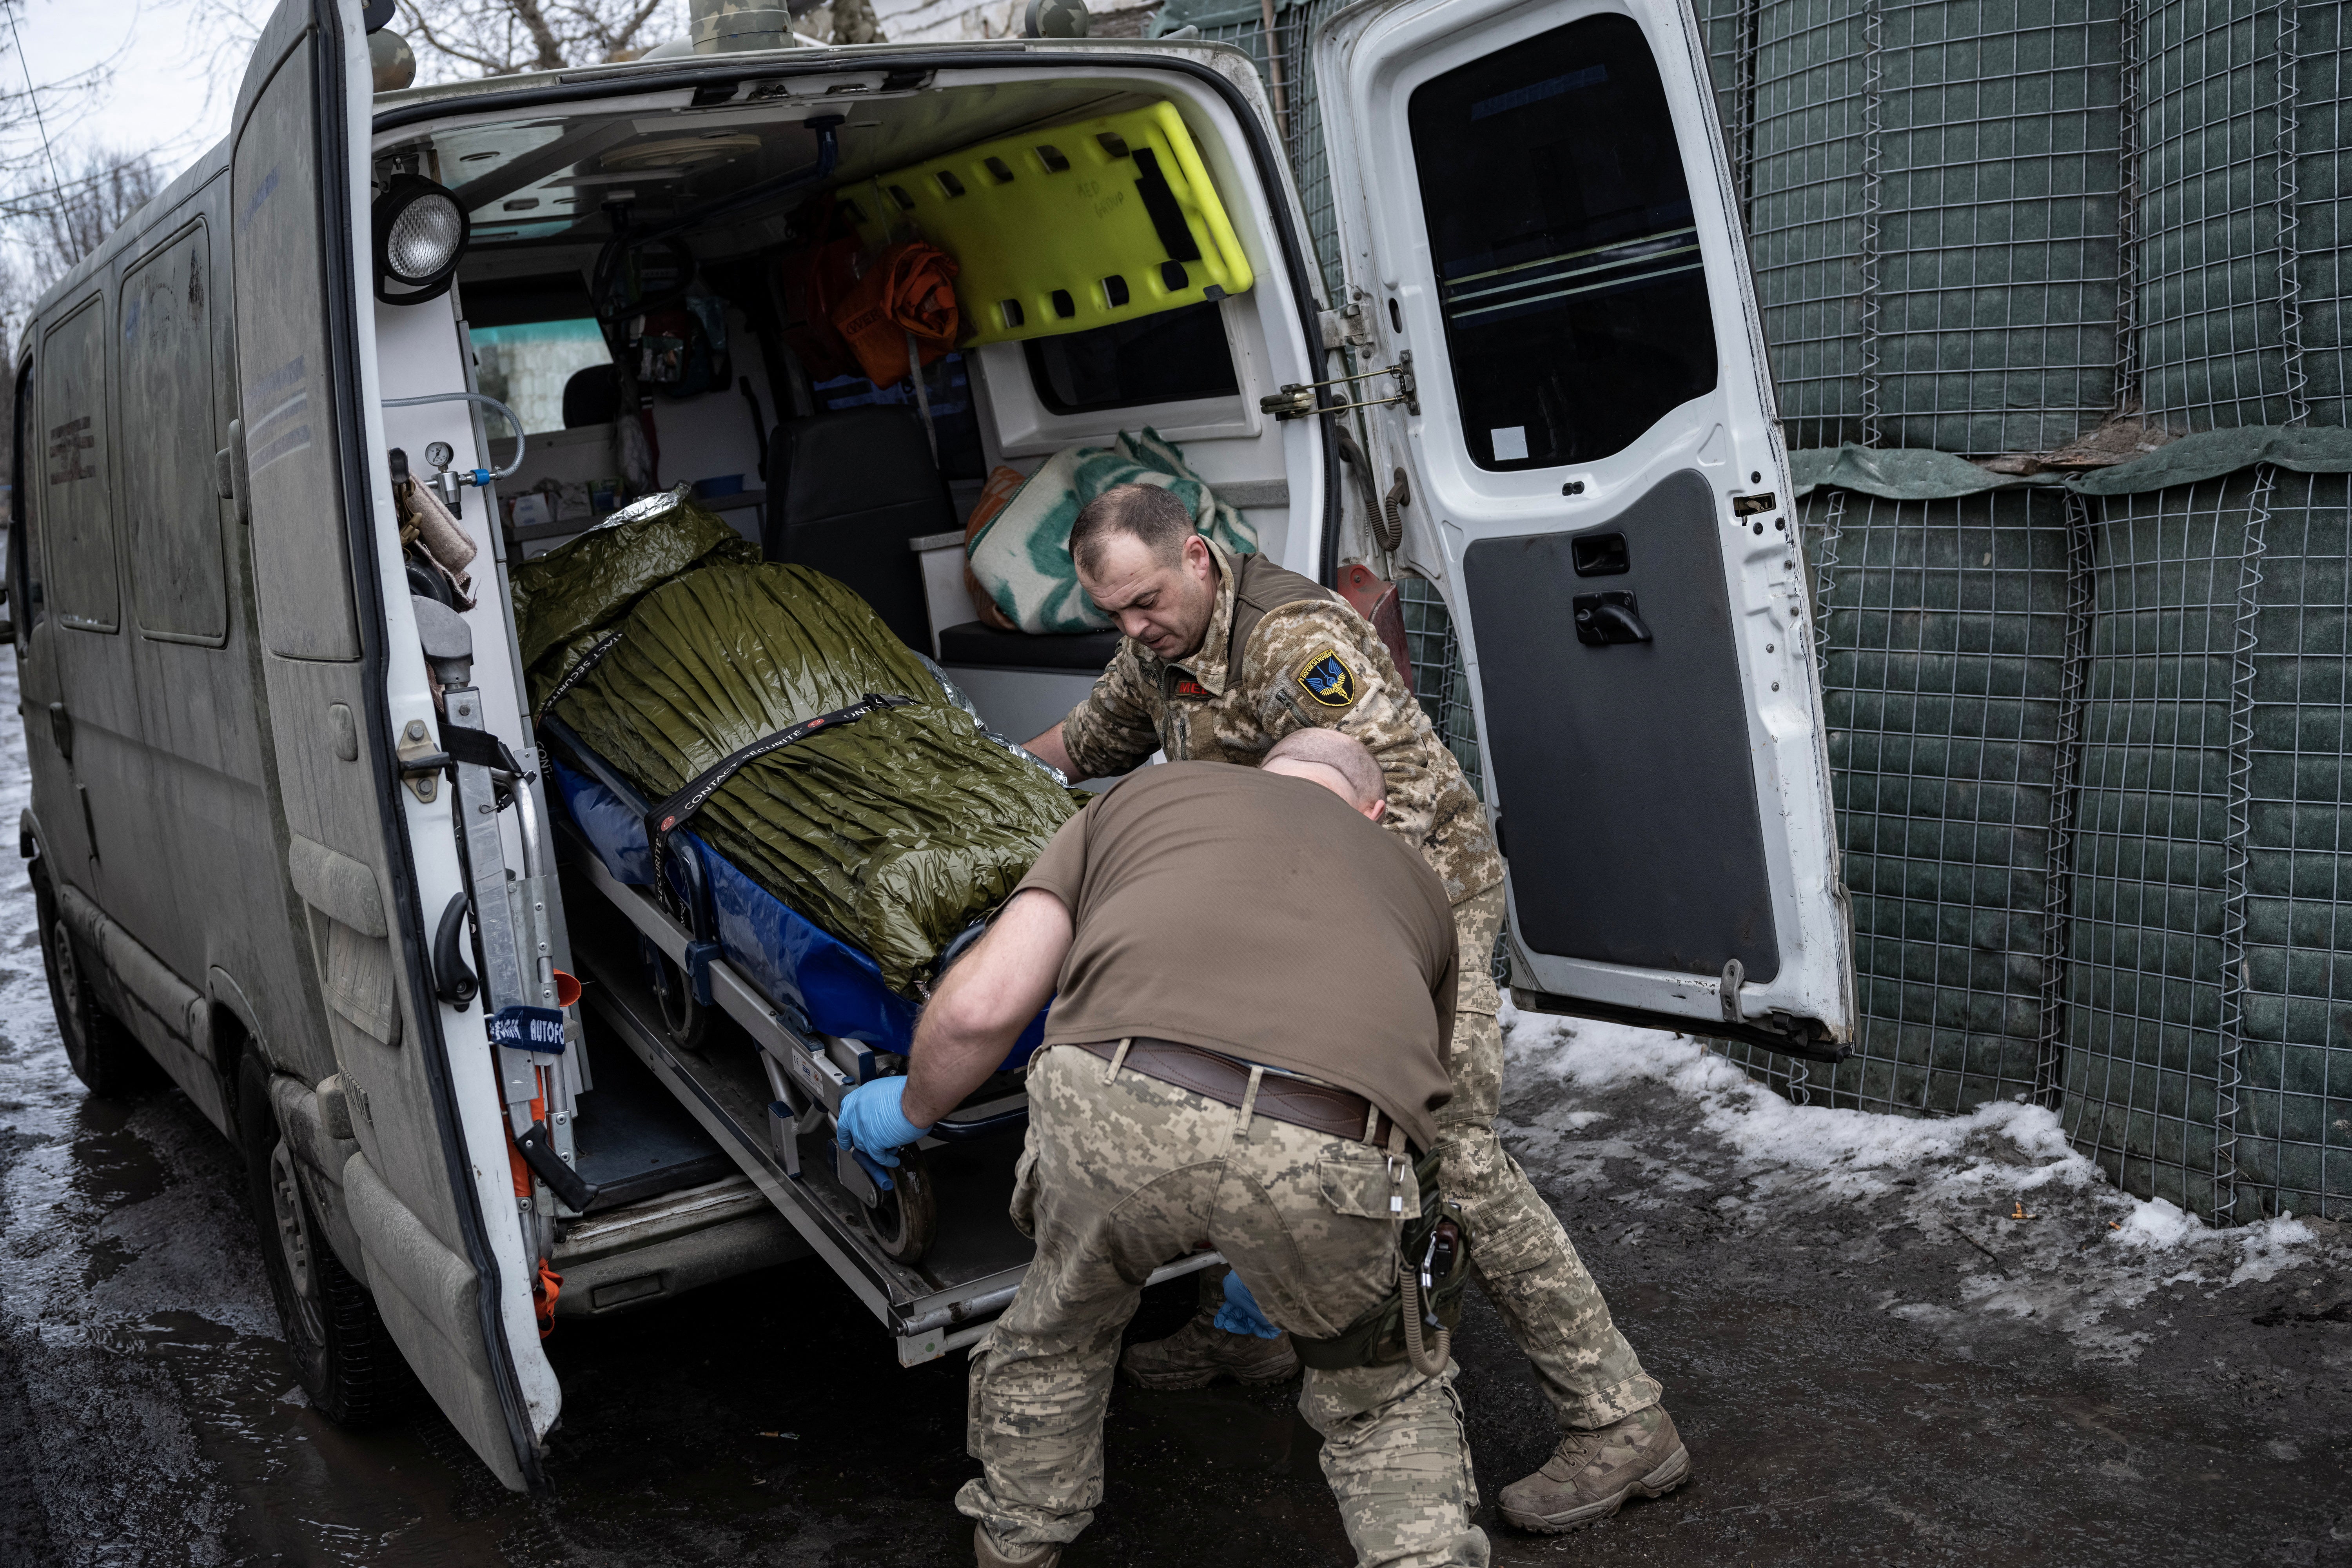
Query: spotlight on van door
(420,233)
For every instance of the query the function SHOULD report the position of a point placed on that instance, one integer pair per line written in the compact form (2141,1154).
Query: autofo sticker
(528,1028)
(1326,677)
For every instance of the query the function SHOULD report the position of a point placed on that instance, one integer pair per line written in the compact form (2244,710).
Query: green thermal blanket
(894,832)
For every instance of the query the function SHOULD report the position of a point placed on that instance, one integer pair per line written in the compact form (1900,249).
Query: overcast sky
(158,98)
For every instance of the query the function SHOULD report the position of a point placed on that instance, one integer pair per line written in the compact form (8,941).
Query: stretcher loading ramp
(950,1295)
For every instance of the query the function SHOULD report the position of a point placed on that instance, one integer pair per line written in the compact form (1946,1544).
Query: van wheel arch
(345,1358)
(106,1057)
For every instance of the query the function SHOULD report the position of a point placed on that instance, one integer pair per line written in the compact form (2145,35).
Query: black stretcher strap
(672,813)
(578,672)
(480,749)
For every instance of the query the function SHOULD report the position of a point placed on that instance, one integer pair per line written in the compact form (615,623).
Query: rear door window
(1568,263)
(76,515)
(1175,356)
(528,364)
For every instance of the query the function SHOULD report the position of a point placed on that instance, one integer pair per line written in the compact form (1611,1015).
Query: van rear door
(428,1191)
(1533,203)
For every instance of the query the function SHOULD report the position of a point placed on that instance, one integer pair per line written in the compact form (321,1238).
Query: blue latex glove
(1240,1315)
(872,1123)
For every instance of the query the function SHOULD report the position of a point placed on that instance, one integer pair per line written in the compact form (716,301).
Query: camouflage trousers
(1123,1175)
(1518,1252)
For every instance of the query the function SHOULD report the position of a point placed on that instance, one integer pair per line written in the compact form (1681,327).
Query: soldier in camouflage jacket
(1222,656)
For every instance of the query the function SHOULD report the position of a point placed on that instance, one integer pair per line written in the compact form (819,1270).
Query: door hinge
(1298,401)
(420,762)
(1347,327)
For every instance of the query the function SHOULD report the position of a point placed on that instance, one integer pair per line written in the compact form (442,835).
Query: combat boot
(1591,1474)
(1044,1556)
(1200,1353)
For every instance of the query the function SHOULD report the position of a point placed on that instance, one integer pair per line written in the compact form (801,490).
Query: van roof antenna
(57,185)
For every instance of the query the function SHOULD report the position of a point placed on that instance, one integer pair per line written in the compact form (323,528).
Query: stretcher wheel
(908,1215)
(684,1019)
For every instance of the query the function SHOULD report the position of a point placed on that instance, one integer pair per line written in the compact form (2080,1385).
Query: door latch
(1296,401)
(1610,618)
(1347,327)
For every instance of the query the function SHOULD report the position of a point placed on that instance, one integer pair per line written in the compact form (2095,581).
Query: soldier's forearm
(1050,748)
(984,1002)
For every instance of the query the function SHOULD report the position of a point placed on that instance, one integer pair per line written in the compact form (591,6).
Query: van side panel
(192,641)
(105,837)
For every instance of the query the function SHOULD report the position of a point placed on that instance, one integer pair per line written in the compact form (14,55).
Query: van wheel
(908,1215)
(111,1064)
(345,1359)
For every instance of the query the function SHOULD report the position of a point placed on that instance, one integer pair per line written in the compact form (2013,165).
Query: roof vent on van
(733,26)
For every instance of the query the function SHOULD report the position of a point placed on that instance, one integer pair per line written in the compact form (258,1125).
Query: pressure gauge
(440,453)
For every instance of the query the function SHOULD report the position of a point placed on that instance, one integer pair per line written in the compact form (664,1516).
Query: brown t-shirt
(1257,915)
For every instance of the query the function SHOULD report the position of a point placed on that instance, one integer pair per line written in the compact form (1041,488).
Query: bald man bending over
(1221,1102)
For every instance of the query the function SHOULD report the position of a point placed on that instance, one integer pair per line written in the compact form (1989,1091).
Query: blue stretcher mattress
(835,987)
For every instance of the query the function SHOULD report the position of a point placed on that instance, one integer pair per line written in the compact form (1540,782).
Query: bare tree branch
(495,37)
(56,225)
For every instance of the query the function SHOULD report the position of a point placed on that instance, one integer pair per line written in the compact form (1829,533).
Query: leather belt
(1319,1107)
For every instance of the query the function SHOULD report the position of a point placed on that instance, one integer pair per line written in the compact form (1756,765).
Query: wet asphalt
(150,1415)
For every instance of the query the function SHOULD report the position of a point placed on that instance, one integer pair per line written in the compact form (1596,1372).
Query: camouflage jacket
(1281,653)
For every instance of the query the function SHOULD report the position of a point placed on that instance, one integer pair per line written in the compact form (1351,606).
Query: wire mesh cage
(2156,891)
(2215,294)
(1944,629)
(2322,231)
(2290,1141)
(1931,192)
(1439,680)
(1300,110)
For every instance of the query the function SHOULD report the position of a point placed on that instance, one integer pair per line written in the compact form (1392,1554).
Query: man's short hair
(1146,512)
(1343,754)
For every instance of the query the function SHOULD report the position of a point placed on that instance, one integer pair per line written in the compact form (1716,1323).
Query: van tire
(110,1062)
(348,1364)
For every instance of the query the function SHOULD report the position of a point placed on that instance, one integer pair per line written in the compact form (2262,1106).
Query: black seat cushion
(976,642)
(845,492)
(592,396)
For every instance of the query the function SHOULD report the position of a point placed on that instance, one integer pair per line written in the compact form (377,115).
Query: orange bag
(1002,485)
(814,280)
(909,289)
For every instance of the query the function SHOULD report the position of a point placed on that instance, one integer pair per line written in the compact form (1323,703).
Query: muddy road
(1870,1363)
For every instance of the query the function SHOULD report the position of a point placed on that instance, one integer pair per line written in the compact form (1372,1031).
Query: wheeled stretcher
(838,1023)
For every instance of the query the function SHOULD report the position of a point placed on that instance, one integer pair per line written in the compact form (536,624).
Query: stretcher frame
(926,1315)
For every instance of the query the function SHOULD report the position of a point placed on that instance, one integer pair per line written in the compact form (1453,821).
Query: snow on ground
(2083,1251)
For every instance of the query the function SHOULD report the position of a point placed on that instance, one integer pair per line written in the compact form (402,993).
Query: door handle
(452,980)
(1605,618)
(230,478)
(61,731)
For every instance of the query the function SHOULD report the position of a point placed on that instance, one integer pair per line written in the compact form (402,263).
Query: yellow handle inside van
(1064,228)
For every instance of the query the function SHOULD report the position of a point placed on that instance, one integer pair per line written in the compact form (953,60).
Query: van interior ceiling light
(420,233)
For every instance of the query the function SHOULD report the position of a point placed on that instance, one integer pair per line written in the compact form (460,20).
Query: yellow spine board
(1065,228)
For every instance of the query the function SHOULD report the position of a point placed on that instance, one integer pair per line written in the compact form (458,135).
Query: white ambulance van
(266,860)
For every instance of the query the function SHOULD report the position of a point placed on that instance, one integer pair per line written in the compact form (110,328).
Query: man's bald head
(1341,763)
